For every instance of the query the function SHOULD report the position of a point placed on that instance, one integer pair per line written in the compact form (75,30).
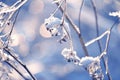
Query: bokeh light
(36,7)
(42,53)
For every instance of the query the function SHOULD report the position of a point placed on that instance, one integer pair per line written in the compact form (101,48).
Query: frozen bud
(86,61)
(95,70)
(54,31)
(65,33)
(52,22)
(52,25)
(57,27)
(92,65)
(70,55)
(117,13)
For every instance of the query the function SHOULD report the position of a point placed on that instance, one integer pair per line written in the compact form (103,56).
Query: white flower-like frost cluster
(91,64)
(70,56)
(117,13)
(57,28)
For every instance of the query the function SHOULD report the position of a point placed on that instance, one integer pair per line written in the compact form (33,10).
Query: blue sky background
(43,55)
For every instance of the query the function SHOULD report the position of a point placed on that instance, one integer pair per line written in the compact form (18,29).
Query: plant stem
(24,66)
(15,69)
(99,44)
(106,48)
(57,8)
(96,24)
(76,29)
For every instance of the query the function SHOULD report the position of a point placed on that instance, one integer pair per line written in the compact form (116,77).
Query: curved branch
(96,24)
(15,70)
(99,44)
(24,66)
(76,29)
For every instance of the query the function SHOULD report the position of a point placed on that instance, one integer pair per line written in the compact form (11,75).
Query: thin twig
(15,19)
(3,4)
(116,22)
(96,24)
(98,38)
(62,23)
(57,8)
(108,33)
(6,21)
(24,66)
(15,69)
(76,29)
(80,11)
(105,59)
(106,49)
(13,8)
(99,44)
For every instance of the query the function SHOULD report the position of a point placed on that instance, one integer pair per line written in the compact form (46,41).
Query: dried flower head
(70,55)
(92,65)
(52,24)
(57,28)
(85,61)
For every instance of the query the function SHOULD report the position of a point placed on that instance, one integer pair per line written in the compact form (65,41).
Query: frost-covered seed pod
(92,65)
(70,56)
(56,28)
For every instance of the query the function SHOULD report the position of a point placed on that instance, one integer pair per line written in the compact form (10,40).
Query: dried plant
(58,27)
(8,15)
(11,65)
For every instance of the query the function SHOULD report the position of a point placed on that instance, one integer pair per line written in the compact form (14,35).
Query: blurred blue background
(43,55)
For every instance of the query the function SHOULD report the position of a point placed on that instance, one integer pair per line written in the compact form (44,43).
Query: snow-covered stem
(98,38)
(10,11)
(57,8)
(14,7)
(15,69)
(99,43)
(23,65)
(96,24)
(75,27)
